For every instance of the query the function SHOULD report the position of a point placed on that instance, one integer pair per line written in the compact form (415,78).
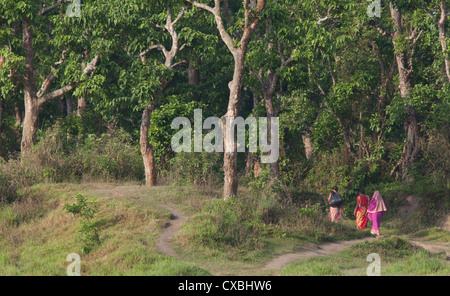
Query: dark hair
(335,188)
(362,191)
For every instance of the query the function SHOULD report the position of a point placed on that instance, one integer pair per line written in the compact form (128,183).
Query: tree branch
(51,7)
(157,46)
(328,16)
(48,80)
(249,29)
(219,22)
(65,89)
(379,29)
(169,26)
(202,6)
(284,62)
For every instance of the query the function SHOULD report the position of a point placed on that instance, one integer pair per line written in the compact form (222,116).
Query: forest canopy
(89,89)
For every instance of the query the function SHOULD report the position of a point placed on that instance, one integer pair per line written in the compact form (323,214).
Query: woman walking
(375,210)
(336,211)
(360,212)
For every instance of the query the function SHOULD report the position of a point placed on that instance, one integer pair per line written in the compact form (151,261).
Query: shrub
(58,158)
(200,169)
(88,232)
(8,189)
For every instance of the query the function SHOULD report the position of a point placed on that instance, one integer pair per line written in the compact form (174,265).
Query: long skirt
(334,215)
(361,218)
(376,219)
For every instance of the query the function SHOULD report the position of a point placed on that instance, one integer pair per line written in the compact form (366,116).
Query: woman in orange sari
(362,203)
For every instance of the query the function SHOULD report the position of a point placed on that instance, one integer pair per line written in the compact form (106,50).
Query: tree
(443,13)
(32,23)
(147,150)
(271,46)
(238,48)
(404,58)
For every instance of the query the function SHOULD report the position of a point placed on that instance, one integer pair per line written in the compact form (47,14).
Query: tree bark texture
(411,128)
(147,150)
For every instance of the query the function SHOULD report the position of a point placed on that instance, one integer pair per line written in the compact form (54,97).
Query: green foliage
(160,132)
(8,188)
(88,232)
(398,257)
(60,156)
(200,169)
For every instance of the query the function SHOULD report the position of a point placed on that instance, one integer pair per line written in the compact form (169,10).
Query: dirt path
(178,218)
(433,247)
(317,250)
(164,241)
(275,265)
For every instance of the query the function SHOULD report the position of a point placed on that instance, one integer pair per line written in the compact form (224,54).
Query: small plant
(88,232)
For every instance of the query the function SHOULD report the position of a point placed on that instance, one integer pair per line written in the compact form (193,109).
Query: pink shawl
(376,203)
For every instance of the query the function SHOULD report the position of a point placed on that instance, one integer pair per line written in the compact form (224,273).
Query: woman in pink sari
(375,210)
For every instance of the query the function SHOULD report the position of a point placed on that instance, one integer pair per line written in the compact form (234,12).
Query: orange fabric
(361,212)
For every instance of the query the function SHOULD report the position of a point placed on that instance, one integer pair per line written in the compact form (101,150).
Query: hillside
(142,232)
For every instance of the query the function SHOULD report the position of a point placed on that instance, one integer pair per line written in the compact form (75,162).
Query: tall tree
(442,11)
(404,58)
(30,22)
(147,149)
(238,48)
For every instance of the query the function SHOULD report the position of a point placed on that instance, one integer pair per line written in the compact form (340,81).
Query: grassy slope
(397,257)
(36,235)
(39,242)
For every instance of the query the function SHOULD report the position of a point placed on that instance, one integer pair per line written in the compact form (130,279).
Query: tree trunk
(412,148)
(34,100)
(69,105)
(62,106)
(30,121)
(249,163)
(19,115)
(82,102)
(309,146)
(239,53)
(251,159)
(412,145)
(230,155)
(1,113)
(193,74)
(271,112)
(147,149)
(30,99)
(441,26)
(81,107)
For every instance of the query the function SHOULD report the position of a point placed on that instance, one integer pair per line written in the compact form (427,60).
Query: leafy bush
(8,188)
(199,169)
(58,157)
(88,232)
(242,225)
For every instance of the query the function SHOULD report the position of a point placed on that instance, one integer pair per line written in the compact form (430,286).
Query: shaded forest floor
(140,230)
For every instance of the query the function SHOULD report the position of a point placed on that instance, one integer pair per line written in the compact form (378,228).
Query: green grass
(252,230)
(397,257)
(435,235)
(222,238)
(39,244)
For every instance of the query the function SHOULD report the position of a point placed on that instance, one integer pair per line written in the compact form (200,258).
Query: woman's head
(376,195)
(362,191)
(335,188)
